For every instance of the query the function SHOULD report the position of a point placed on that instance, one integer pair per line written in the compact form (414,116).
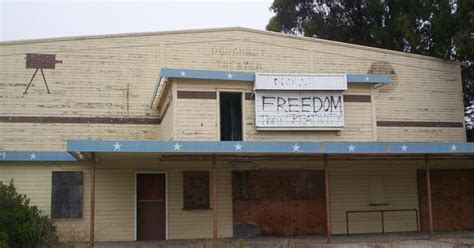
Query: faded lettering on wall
(237,58)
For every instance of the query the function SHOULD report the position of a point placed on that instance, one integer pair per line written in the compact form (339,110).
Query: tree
(439,28)
(22,225)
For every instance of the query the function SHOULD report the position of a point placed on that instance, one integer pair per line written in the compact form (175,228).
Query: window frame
(186,207)
(70,215)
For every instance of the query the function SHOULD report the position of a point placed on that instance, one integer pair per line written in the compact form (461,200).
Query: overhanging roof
(249,77)
(35,156)
(267,147)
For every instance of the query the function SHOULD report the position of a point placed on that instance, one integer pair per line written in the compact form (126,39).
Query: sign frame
(299,127)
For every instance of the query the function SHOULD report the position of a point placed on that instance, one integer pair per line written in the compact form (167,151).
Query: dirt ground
(456,240)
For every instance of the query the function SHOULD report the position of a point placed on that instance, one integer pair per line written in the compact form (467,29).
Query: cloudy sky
(20,19)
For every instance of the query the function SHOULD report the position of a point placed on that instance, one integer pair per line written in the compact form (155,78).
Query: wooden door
(151,206)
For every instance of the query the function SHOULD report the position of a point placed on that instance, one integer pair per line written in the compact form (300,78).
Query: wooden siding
(115,189)
(114,76)
(198,118)
(36,184)
(350,191)
(168,115)
(53,136)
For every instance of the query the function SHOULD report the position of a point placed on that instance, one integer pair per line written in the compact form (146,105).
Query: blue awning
(250,77)
(267,147)
(35,156)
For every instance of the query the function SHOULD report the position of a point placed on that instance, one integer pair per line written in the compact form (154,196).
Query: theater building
(233,132)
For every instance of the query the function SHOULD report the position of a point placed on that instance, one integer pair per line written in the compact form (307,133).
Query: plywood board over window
(195,190)
(67,194)
(377,190)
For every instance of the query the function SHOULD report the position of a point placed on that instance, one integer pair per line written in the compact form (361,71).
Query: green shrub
(22,225)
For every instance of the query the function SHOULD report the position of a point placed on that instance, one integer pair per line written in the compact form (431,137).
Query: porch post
(328,203)
(92,206)
(214,197)
(428,187)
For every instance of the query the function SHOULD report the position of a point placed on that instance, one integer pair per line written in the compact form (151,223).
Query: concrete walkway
(453,239)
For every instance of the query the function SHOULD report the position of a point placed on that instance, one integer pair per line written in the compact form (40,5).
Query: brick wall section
(452,193)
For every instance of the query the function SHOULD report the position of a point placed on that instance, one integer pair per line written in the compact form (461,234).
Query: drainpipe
(328,203)
(92,206)
(428,187)
(214,197)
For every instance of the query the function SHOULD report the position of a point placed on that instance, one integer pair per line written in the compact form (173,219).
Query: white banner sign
(299,109)
(305,81)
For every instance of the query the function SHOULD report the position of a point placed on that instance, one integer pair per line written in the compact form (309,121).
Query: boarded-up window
(66,199)
(377,190)
(195,190)
(283,185)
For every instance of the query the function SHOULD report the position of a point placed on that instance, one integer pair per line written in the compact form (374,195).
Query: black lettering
(280,105)
(317,99)
(263,101)
(292,105)
(305,104)
(275,81)
(327,104)
(337,104)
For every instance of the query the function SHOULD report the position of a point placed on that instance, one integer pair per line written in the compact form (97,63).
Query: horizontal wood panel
(91,120)
(418,124)
(197,94)
(357,98)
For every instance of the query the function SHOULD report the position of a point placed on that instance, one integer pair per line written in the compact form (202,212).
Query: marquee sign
(299,100)
(300,81)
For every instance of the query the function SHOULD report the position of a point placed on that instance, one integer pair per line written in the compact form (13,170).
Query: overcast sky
(42,19)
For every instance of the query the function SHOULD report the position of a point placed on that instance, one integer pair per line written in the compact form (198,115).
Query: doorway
(231,116)
(151,206)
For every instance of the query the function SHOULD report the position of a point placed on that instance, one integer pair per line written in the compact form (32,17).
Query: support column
(92,206)
(328,203)
(214,197)
(428,189)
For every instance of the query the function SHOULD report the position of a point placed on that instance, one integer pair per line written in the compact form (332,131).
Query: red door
(151,206)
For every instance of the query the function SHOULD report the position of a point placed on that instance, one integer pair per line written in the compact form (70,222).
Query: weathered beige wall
(113,76)
(116,208)
(53,136)
(168,114)
(34,180)
(115,192)
(198,119)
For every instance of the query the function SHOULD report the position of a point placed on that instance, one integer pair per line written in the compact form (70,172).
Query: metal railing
(382,217)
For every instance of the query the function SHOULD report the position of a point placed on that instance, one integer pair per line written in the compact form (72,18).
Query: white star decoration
(351,148)
(117,146)
(238,147)
(296,148)
(32,156)
(366,78)
(183,74)
(453,147)
(229,75)
(177,147)
(404,148)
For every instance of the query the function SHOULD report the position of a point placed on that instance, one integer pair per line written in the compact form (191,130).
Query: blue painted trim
(207,74)
(266,147)
(33,156)
(368,78)
(249,76)
(155,90)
